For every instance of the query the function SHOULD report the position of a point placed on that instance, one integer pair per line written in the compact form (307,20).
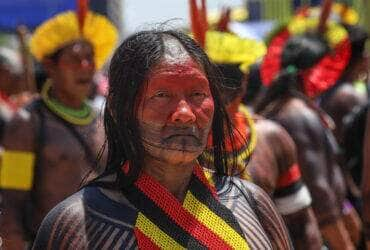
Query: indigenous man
(264,150)
(53,145)
(296,67)
(160,109)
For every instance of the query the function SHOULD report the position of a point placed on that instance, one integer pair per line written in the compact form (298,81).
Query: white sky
(142,14)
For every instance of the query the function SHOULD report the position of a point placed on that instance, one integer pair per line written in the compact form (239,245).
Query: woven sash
(201,222)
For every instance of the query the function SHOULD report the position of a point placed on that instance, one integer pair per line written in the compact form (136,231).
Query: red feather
(224,20)
(82,8)
(199,24)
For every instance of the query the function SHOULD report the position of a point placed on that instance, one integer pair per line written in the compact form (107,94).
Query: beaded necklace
(82,116)
(243,151)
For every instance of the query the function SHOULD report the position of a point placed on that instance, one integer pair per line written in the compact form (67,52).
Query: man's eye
(199,94)
(161,94)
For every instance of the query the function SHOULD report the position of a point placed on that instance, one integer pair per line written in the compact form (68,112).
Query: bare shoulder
(273,131)
(87,218)
(347,95)
(301,121)
(279,140)
(60,222)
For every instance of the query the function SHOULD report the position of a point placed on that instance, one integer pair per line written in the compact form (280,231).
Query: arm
(291,196)
(366,183)
(269,218)
(309,135)
(16,179)
(64,226)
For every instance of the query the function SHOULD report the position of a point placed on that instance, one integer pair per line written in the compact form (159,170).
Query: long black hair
(299,53)
(129,68)
(358,37)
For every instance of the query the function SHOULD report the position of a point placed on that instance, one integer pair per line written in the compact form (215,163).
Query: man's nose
(87,64)
(183,113)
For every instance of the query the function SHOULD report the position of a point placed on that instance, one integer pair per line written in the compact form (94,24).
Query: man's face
(74,70)
(175,111)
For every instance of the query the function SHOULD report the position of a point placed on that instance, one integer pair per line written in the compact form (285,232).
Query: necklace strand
(82,116)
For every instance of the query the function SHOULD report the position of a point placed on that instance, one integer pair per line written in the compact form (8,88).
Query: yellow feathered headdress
(70,26)
(221,46)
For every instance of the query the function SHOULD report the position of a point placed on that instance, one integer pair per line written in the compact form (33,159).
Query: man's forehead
(78,47)
(174,50)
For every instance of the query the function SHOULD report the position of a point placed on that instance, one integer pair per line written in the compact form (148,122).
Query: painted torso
(104,219)
(61,165)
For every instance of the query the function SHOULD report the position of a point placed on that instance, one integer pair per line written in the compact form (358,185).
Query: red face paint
(175,111)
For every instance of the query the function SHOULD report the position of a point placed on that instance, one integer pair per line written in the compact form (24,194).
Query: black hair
(299,53)
(129,68)
(358,37)
(231,81)
(254,86)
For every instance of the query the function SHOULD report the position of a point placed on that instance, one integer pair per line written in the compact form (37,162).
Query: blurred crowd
(298,105)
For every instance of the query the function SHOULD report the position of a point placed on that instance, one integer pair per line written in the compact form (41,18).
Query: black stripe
(117,237)
(61,229)
(160,218)
(105,238)
(288,190)
(200,191)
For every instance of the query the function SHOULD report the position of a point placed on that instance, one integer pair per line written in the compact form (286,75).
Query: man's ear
(49,66)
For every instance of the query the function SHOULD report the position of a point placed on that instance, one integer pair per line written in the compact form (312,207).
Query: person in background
(266,154)
(297,68)
(52,146)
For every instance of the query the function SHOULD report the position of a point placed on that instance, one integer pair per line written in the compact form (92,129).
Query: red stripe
(144,242)
(198,171)
(171,206)
(289,177)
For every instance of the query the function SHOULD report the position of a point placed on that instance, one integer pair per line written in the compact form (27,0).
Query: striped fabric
(100,218)
(168,224)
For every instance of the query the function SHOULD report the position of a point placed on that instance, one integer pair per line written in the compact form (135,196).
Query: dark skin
(319,170)
(274,154)
(61,158)
(342,102)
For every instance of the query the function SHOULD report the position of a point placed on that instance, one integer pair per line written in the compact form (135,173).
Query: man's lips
(182,135)
(84,81)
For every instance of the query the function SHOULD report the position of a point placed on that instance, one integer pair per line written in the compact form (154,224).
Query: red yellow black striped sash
(200,222)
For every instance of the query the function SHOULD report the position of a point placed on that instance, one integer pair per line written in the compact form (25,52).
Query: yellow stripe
(203,214)
(209,176)
(17,169)
(153,232)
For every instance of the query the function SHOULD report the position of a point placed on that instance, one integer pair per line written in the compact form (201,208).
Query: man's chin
(174,156)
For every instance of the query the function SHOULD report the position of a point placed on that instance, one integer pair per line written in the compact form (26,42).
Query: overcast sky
(141,14)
